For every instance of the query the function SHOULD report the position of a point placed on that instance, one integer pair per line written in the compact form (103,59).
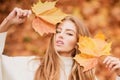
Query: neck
(67,54)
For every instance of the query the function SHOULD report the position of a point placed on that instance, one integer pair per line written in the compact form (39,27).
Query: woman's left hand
(112,63)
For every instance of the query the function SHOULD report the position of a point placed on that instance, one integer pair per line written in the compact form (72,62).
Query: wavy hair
(49,68)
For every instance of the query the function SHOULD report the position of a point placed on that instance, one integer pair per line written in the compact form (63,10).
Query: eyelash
(57,31)
(70,34)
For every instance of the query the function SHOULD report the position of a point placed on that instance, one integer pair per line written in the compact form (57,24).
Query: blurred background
(98,15)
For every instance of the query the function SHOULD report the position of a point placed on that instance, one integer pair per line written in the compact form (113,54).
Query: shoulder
(22,62)
(117,77)
(20,59)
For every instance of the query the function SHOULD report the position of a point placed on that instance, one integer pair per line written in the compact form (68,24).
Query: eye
(70,34)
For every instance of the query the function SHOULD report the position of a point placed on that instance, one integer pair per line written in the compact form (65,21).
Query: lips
(59,42)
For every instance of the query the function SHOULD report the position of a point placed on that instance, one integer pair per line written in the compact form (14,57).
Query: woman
(57,64)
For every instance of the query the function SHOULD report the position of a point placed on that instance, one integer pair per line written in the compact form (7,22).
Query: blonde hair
(49,68)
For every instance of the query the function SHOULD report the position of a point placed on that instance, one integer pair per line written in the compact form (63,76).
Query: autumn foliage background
(98,15)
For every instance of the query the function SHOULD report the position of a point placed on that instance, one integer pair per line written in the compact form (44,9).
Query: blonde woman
(57,63)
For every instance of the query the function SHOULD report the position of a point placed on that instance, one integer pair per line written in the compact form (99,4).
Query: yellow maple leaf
(47,16)
(85,61)
(100,36)
(42,27)
(40,7)
(48,12)
(91,49)
(53,16)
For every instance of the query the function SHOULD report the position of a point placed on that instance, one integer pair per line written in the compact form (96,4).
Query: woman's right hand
(17,16)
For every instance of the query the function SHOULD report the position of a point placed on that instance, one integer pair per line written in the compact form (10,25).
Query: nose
(60,35)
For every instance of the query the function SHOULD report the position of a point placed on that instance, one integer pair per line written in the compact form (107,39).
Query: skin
(19,15)
(65,39)
(113,64)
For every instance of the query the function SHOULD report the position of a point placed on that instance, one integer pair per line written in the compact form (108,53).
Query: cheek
(70,43)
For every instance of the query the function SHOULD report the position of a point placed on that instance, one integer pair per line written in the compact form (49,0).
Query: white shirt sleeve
(19,67)
(2,43)
(117,77)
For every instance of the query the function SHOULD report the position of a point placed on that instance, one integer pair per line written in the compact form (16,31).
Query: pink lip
(59,42)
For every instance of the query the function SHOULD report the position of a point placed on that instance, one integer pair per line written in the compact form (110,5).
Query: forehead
(67,24)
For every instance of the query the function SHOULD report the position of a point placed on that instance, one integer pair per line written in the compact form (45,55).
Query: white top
(24,67)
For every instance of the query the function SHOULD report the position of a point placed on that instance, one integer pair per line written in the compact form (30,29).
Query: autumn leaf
(47,11)
(50,15)
(42,27)
(53,16)
(40,7)
(99,36)
(85,61)
(91,49)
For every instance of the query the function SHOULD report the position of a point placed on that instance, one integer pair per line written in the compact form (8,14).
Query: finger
(113,61)
(115,67)
(112,64)
(15,11)
(22,13)
(25,13)
(107,60)
(12,14)
(18,12)
(29,13)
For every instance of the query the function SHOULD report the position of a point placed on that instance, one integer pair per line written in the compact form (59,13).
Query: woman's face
(65,38)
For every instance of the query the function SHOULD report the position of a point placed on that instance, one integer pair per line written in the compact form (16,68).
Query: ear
(77,49)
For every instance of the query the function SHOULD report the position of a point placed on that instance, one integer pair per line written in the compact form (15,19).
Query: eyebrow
(67,30)
(70,30)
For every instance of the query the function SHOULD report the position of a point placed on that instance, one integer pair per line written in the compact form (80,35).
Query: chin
(60,50)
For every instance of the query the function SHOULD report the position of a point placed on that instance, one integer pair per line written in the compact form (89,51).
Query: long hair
(49,68)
